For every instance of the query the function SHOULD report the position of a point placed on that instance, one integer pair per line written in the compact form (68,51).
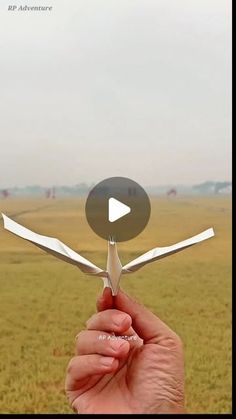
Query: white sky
(100,88)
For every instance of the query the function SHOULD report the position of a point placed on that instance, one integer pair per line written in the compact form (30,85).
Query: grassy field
(44,302)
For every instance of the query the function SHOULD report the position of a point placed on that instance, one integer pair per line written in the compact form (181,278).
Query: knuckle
(176,342)
(172,342)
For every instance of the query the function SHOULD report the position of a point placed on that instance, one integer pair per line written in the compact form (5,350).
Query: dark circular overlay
(127,192)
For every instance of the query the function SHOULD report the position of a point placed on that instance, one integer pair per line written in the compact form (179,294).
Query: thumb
(148,326)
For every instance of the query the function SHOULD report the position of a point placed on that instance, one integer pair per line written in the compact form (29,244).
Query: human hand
(112,375)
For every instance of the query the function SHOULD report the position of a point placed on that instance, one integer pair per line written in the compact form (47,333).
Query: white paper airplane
(111,276)
(117,210)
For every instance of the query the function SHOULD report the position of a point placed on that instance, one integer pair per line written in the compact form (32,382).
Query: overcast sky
(101,88)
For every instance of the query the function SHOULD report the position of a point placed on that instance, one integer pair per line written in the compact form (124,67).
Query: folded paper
(111,276)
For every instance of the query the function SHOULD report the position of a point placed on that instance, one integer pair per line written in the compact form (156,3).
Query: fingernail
(119,319)
(106,361)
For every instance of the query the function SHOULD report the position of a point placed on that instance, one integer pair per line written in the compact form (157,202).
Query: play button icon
(117,207)
(116,210)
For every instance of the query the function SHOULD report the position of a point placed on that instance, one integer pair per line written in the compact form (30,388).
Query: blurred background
(95,89)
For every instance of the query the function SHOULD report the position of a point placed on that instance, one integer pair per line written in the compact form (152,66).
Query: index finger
(106,300)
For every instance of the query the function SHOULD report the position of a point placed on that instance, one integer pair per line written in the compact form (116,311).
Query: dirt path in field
(28,211)
(17,214)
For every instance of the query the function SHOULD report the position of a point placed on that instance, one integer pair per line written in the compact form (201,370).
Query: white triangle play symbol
(117,209)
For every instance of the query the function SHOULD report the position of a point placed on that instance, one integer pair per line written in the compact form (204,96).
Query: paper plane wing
(162,252)
(53,246)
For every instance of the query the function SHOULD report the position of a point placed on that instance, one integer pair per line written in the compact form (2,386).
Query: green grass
(45,302)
